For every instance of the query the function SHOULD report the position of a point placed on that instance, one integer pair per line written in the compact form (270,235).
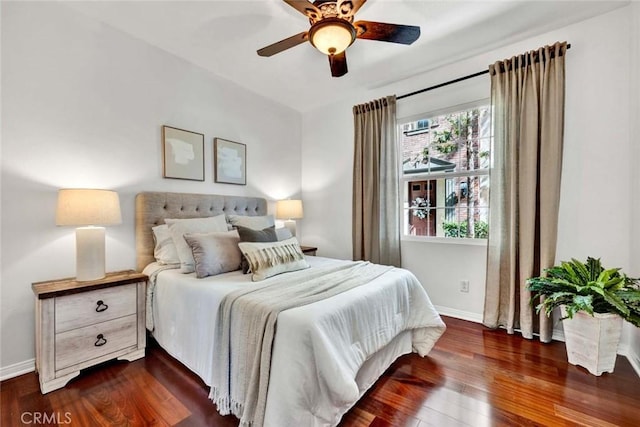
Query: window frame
(425,176)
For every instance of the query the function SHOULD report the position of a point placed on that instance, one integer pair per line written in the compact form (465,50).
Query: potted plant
(593,301)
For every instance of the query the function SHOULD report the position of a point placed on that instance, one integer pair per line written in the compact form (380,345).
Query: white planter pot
(592,341)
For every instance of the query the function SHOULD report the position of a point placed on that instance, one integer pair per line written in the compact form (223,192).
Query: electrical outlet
(464,286)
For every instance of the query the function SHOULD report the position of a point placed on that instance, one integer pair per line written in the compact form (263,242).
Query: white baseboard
(17,369)
(459,314)
(634,359)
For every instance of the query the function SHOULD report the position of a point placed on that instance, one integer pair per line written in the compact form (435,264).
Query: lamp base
(89,253)
(290,225)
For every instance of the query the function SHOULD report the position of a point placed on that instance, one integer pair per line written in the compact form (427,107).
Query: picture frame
(229,162)
(182,154)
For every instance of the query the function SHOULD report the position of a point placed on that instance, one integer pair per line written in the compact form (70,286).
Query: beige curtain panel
(376,205)
(527,95)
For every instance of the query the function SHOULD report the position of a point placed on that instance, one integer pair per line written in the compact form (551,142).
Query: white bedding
(325,354)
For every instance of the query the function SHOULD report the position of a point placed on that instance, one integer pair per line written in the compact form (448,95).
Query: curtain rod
(450,82)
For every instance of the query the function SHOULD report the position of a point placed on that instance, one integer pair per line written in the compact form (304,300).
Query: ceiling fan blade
(306,8)
(338,64)
(347,8)
(285,44)
(404,34)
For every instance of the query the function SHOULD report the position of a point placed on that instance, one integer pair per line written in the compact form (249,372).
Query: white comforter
(320,350)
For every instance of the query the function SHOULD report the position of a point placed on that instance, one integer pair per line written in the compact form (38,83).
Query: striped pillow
(271,258)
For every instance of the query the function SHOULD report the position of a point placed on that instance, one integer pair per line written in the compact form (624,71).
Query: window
(445,173)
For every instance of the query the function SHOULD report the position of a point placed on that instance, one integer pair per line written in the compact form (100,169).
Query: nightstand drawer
(88,308)
(80,345)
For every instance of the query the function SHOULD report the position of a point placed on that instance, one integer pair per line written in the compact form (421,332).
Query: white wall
(634,333)
(82,106)
(596,172)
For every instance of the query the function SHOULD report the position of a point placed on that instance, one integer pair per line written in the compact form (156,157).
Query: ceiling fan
(333,31)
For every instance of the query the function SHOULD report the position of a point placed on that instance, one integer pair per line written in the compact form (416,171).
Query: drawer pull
(101,306)
(100,341)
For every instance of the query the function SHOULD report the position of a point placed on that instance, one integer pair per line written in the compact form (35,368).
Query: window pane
(451,142)
(447,207)
(484,137)
(451,205)
(469,223)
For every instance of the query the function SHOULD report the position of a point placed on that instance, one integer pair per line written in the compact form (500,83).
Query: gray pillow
(249,235)
(214,253)
(179,227)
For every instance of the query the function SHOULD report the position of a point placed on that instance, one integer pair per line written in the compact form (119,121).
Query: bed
(323,355)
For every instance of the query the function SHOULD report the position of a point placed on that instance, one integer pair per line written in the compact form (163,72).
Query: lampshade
(88,207)
(332,36)
(289,209)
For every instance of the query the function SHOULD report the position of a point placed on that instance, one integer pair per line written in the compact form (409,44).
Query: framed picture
(183,154)
(230,162)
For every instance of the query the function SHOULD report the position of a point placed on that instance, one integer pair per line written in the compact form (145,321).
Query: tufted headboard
(153,207)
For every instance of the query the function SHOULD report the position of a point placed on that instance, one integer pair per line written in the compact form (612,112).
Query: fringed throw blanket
(246,328)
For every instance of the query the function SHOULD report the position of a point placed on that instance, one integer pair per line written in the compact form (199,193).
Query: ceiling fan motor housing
(330,9)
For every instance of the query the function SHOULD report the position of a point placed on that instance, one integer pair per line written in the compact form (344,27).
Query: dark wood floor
(473,377)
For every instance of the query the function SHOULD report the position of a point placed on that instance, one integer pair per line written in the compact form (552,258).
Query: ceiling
(223,36)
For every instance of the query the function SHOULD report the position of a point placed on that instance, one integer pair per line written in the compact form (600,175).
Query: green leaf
(565,283)
(606,275)
(613,283)
(581,270)
(615,301)
(572,275)
(593,287)
(595,267)
(629,295)
(584,303)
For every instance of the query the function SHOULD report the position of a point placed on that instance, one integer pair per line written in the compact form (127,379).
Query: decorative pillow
(250,235)
(179,227)
(254,222)
(214,253)
(271,258)
(165,251)
(283,233)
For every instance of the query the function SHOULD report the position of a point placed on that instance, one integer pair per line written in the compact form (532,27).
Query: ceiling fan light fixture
(332,36)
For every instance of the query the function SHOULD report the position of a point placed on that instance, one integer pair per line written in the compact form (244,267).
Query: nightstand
(81,324)
(309,250)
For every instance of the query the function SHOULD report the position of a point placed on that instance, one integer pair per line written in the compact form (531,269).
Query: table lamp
(289,210)
(89,210)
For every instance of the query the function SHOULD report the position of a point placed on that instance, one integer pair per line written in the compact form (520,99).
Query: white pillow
(270,258)
(165,251)
(179,227)
(253,222)
(283,233)
(214,253)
